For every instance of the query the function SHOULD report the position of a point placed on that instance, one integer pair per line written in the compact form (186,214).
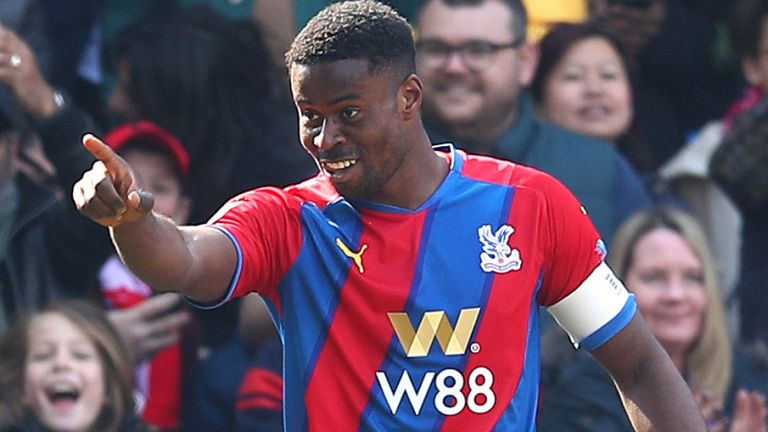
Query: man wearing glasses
(475,63)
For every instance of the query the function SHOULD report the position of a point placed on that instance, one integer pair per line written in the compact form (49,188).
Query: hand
(712,410)
(635,27)
(20,71)
(151,325)
(109,193)
(749,414)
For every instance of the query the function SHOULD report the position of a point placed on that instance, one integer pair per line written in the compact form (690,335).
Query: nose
(593,84)
(329,136)
(454,63)
(674,289)
(61,360)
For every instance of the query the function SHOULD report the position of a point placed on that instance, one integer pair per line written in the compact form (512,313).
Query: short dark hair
(365,29)
(745,26)
(519,14)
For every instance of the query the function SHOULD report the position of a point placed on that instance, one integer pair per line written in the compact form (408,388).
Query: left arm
(654,394)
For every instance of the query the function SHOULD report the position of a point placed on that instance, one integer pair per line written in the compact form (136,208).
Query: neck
(418,178)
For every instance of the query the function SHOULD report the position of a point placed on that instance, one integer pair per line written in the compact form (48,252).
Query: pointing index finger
(105,154)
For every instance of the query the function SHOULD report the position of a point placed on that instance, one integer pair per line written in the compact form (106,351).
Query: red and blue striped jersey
(425,319)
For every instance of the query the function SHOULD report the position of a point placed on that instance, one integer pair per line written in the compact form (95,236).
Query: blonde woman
(663,257)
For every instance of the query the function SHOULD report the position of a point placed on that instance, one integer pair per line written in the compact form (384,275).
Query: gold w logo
(416,343)
(357,257)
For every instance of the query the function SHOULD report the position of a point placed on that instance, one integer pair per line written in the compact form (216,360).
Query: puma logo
(357,257)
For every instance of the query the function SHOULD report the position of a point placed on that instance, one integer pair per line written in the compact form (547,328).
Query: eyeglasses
(477,55)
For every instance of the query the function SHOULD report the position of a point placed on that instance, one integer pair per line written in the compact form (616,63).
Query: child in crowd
(65,368)
(162,165)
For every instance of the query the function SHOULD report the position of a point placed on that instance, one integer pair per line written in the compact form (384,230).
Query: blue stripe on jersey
(521,414)
(317,304)
(232,282)
(449,279)
(609,329)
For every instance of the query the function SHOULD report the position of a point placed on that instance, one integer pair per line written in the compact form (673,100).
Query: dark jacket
(583,398)
(53,251)
(593,170)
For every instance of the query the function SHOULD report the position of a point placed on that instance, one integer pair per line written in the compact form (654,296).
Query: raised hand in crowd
(19,69)
(151,325)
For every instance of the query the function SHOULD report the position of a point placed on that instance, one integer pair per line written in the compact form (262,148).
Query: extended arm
(198,262)
(653,392)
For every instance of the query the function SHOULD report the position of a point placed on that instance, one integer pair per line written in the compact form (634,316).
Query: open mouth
(62,395)
(334,168)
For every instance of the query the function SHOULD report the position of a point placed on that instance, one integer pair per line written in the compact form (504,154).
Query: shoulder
(317,190)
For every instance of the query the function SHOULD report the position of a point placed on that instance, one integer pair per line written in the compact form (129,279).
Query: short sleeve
(265,227)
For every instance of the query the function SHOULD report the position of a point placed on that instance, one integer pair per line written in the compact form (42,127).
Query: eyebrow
(335,100)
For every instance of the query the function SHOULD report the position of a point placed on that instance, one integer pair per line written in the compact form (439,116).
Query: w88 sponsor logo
(453,393)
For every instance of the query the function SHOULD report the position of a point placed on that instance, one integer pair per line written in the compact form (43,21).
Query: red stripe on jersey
(360,335)
(488,170)
(503,330)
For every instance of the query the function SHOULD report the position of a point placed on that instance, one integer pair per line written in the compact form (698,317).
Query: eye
(433,48)
(652,277)
(349,113)
(478,48)
(83,355)
(696,278)
(309,115)
(311,119)
(38,356)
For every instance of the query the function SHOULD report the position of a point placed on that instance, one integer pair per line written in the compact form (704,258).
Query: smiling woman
(582,82)
(75,373)
(663,257)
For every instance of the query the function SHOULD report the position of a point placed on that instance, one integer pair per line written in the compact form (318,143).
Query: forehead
(593,48)
(490,20)
(334,81)
(55,327)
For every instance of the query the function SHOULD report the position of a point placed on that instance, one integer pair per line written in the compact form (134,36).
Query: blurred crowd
(653,112)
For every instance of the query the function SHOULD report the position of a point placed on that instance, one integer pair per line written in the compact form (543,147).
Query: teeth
(340,164)
(61,387)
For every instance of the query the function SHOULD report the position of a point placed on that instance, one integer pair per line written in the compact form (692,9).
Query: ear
(529,60)
(409,97)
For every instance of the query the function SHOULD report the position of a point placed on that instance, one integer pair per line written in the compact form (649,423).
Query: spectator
(738,166)
(65,368)
(584,83)
(476,66)
(663,257)
(162,164)
(209,81)
(260,397)
(686,73)
(39,230)
(239,385)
